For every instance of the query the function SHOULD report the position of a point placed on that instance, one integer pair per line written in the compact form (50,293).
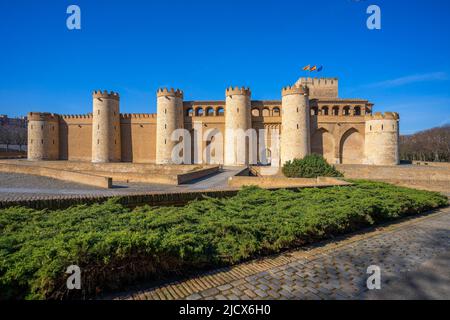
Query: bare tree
(428,145)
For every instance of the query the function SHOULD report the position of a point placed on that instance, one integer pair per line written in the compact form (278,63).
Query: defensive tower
(169,118)
(382,139)
(295,123)
(106,144)
(320,87)
(43,136)
(237,121)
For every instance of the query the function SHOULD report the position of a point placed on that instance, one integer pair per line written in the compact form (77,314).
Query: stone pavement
(414,257)
(14,186)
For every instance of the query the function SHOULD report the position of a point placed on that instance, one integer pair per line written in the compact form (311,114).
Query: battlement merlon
(320,87)
(42,116)
(230,91)
(164,92)
(385,116)
(105,95)
(295,89)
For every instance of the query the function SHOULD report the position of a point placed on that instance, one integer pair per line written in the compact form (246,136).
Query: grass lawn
(115,246)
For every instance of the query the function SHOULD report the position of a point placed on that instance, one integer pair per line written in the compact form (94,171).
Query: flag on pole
(319,68)
(306,67)
(313,68)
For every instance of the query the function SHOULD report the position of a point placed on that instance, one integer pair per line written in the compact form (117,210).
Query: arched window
(209,111)
(335,110)
(357,111)
(325,110)
(189,112)
(255,112)
(276,112)
(220,111)
(266,112)
(199,112)
(314,111)
(346,111)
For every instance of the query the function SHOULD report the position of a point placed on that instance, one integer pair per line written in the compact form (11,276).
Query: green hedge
(115,246)
(311,166)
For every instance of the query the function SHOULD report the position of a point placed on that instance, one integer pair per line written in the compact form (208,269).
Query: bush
(311,166)
(115,246)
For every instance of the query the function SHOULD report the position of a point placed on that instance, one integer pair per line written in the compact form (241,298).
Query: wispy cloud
(424,77)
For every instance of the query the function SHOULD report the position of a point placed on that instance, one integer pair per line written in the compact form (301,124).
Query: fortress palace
(310,117)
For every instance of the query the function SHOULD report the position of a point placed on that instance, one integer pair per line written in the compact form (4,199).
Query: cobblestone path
(414,257)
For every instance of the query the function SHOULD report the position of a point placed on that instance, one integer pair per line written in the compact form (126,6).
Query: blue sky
(134,47)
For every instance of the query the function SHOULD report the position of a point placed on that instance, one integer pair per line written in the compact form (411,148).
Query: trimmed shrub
(115,246)
(311,166)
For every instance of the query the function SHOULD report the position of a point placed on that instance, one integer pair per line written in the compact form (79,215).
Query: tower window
(42,141)
(237,110)
(297,126)
(98,141)
(98,111)
(165,126)
(382,127)
(31,127)
(42,127)
(165,141)
(165,110)
(53,141)
(370,128)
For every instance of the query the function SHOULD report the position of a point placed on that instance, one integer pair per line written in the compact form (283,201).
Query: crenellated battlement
(318,81)
(43,116)
(105,94)
(295,89)
(320,87)
(76,116)
(381,116)
(311,116)
(138,116)
(164,92)
(230,91)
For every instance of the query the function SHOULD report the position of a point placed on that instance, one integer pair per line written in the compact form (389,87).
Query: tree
(429,145)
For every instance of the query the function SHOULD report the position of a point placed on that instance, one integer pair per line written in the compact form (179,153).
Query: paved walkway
(414,257)
(14,186)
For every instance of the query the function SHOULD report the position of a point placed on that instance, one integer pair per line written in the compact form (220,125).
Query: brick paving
(413,255)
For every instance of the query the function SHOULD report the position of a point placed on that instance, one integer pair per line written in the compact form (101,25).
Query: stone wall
(77,177)
(402,172)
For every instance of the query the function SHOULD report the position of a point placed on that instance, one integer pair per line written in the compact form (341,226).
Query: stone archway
(351,148)
(322,142)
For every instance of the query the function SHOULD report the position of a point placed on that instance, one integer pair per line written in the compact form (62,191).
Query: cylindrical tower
(43,136)
(382,139)
(169,118)
(237,121)
(295,123)
(106,144)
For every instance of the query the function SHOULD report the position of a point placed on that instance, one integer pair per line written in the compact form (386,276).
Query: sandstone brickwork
(106,143)
(310,118)
(295,123)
